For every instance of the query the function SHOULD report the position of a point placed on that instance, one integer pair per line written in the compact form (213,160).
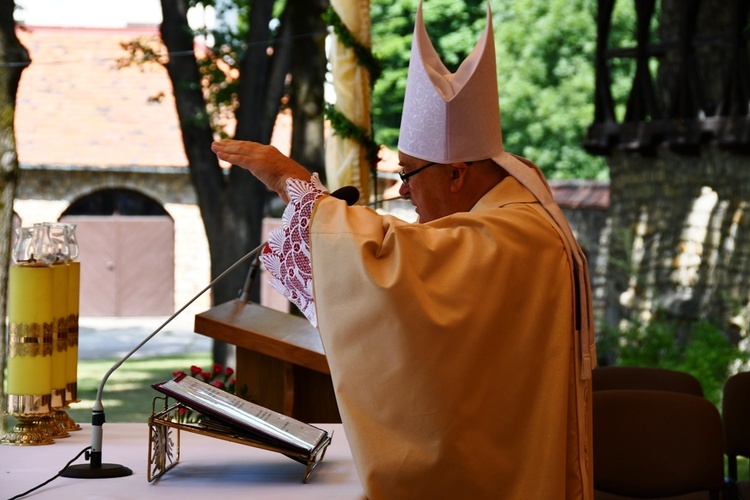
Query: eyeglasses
(405,177)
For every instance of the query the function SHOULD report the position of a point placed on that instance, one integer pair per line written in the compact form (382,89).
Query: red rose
(217,368)
(206,376)
(177,372)
(219,384)
(229,372)
(195,370)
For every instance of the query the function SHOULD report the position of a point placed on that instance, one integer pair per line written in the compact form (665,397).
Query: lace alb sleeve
(287,254)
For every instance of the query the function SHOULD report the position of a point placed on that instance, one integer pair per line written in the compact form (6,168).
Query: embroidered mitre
(451,117)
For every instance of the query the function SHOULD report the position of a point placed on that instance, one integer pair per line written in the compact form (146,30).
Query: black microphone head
(349,194)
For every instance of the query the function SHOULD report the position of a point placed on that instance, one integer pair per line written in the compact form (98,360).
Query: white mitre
(451,117)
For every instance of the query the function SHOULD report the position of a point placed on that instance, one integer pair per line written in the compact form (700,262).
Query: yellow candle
(59,333)
(71,363)
(30,321)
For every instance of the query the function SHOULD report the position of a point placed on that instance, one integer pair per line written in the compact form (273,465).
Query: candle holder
(31,413)
(64,422)
(30,334)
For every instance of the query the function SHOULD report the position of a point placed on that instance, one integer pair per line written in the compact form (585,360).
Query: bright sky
(88,13)
(101,13)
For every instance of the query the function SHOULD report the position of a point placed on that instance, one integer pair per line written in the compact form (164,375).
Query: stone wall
(590,225)
(678,238)
(45,192)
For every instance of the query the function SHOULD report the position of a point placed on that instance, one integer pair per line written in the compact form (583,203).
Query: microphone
(95,468)
(350,195)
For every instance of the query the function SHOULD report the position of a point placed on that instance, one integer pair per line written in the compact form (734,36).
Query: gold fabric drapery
(346,159)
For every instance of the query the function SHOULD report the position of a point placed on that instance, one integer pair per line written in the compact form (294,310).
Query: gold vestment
(454,349)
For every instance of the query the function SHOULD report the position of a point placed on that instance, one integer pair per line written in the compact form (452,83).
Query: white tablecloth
(208,469)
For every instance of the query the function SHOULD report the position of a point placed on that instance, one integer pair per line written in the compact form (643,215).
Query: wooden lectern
(280,359)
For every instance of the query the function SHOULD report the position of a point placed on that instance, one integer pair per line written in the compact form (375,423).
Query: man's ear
(458,176)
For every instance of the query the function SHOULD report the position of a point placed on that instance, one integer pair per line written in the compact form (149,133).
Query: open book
(228,413)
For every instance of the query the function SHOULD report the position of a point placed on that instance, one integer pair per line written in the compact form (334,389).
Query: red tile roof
(581,194)
(74,107)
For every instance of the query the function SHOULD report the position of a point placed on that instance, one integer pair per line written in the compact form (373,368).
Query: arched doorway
(126,244)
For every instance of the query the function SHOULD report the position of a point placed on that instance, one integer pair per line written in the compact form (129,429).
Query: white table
(208,469)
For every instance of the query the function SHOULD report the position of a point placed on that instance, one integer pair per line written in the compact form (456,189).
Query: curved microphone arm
(350,194)
(231,268)
(96,469)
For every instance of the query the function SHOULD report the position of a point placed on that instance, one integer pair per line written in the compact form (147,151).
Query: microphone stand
(95,468)
(250,279)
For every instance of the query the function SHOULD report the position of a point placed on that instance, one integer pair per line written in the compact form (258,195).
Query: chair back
(645,378)
(650,444)
(736,416)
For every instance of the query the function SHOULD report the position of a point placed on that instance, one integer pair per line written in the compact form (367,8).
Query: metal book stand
(164,440)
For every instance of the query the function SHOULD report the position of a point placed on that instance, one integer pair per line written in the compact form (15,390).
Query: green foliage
(391,26)
(701,350)
(364,54)
(341,124)
(545,53)
(219,67)
(622,35)
(454,28)
(348,130)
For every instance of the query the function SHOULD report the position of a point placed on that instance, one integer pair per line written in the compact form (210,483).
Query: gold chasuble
(453,349)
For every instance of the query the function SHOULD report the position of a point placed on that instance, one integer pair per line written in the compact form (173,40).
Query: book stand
(164,439)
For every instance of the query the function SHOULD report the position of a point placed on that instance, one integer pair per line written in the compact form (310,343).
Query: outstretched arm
(266,163)
(287,255)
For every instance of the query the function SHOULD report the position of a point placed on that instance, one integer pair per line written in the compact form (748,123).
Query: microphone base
(85,471)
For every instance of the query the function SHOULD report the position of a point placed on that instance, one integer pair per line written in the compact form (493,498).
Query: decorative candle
(59,333)
(54,237)
(30,319)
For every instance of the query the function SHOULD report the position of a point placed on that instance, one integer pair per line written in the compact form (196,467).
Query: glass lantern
(33,246)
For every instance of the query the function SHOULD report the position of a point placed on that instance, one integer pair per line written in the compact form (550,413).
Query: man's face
(429,189)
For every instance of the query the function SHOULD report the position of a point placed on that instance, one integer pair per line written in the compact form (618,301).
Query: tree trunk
(306,94)
(232,206)
(13,59)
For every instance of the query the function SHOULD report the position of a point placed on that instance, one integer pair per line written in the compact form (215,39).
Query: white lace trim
(287,254)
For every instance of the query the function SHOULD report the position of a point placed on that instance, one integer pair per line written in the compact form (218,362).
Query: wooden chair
(607,378)
(656,444)
(736,417)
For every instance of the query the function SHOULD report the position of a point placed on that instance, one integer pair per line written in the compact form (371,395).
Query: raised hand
(266,163)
